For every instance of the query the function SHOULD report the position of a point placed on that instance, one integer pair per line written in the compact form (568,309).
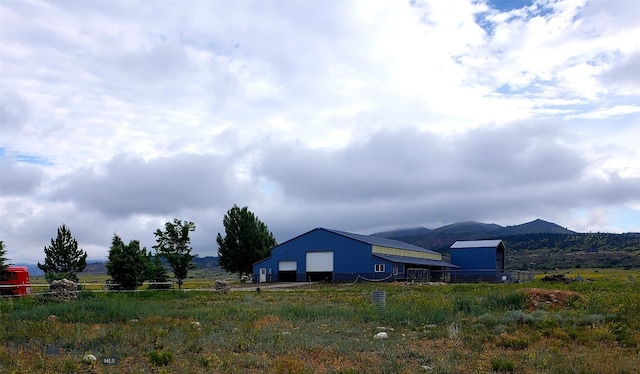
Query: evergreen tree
(173,244)
(63,259)
(247,240)
(3,259)
(156,272)
(128,263)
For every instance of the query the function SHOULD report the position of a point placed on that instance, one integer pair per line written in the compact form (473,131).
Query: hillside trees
(128,264)
(247,240)
(173,244)
(63,259)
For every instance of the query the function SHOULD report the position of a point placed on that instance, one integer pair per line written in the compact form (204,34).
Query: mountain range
(441,238)
(537,244)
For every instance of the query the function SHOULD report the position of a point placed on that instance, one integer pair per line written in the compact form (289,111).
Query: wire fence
(412,275)
(43,289)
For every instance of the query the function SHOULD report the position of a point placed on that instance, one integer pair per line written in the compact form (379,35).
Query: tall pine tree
(63,259)
(157,273)
(3,259)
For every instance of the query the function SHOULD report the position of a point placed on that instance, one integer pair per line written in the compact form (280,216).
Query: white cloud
(117,116)
(616,111)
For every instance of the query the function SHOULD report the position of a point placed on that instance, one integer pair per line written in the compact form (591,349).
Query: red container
(14,281)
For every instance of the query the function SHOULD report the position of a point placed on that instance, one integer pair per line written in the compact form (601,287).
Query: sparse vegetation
(589,326)
(535,245)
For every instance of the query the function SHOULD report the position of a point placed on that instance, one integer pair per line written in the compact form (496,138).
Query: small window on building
(379,268)
(400,268)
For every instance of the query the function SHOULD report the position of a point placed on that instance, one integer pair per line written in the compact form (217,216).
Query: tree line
(246,240)
(593,242)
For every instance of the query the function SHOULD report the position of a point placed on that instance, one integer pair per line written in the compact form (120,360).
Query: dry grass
(586,327)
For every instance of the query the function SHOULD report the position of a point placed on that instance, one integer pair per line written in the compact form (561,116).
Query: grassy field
(591,326)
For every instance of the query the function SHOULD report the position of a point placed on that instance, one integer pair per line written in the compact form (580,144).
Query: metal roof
(382,242)
(416,261)
(476,244)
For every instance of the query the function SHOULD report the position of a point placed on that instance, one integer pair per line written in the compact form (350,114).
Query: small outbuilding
(478,260)
(337,256)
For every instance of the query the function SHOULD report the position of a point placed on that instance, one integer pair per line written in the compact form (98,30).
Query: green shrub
(70,366)
(465,304)
(501,364)
(513,342)
(498,301)
(516,317)
(592,319)
(160,358)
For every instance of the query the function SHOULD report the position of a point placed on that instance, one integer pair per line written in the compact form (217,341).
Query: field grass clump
(329,328)
(502,365)
(500,301)
(160,358)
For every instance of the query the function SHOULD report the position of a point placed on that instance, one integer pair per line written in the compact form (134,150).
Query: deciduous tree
(173,244)
(247,240)
(63,259)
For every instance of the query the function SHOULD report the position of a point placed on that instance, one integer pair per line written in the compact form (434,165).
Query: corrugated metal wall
(350,256)
(474,258)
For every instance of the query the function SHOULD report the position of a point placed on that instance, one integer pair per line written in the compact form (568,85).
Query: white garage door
(319,261)
(287,266)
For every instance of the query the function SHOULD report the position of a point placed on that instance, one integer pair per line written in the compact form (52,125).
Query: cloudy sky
(363,116)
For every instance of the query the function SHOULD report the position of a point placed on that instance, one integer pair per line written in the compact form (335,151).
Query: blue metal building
(479,260)
(337,256)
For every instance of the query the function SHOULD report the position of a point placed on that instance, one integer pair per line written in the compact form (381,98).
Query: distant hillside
(207,262)
(441,238)
(467,228)
(98,267)
(535,227)
(34,270)
(414,231)
(595,250)
(539,244)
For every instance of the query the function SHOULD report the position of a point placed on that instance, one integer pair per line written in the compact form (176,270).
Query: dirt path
(270,286)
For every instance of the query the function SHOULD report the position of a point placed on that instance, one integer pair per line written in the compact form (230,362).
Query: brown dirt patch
(540,298)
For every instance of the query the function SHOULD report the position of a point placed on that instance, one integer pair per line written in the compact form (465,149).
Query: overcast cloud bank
(353,115)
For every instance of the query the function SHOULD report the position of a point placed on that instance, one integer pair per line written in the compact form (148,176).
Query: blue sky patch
(25,158)
(508,5)
(31,159)
(505,6)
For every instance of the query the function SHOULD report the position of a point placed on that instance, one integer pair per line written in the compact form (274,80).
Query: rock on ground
(381,335)
(64,290)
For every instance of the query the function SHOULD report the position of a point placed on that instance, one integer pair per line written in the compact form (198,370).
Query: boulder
(381,336)
(89,360)
(222,286)
(64,290)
